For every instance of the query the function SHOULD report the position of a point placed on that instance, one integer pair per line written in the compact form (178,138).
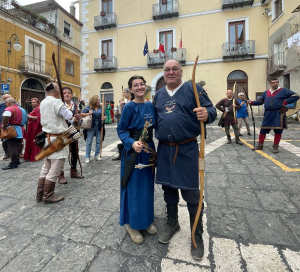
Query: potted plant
(103,56)
(239,41)
(102,13)
(155,51)
(164,2)
(51,25)
(43,20)
(15,4)
(173,49)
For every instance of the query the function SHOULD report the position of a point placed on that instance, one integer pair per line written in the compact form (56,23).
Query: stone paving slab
(251,221)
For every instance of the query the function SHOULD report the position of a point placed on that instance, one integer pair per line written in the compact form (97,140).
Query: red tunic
(34,127)
(112,112)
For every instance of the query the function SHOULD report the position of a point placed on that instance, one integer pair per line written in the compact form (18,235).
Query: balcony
(166,10)
(104,21)
(27,16)
(32,66)
(236,3)
(108,64)
(245,49)
(276,64)
(157,60)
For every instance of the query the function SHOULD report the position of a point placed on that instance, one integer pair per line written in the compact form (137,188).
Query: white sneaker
(99,158)
(87,160)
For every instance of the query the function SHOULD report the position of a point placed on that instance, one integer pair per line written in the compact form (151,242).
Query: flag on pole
(180,42)
(145,52)
(161,44)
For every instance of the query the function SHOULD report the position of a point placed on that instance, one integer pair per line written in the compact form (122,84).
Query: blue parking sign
(4,88)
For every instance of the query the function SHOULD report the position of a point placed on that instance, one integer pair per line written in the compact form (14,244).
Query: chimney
(72,9)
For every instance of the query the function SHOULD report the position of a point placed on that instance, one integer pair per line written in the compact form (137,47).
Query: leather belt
(177,144)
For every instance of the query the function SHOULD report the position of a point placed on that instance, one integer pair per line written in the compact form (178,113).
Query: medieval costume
(53,116)
(112,112)
(12,116)
(177,154)
(73,148)
(107,113)
(242,114)
(225,106)
(274,117)
(34,127)
(137,199)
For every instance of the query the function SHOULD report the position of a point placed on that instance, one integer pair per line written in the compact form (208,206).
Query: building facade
(40,29)
(230,37)
(284,42)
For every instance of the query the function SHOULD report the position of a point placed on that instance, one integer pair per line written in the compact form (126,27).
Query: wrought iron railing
(233,3)
(15,9)
(109,63)
(276,63)
(106,20)
(160,58)
(30,64)
(239,49)
(166,9)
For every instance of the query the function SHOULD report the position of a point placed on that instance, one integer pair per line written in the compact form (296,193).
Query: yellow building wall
(11,62)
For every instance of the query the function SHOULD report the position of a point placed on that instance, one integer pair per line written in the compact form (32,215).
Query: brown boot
(49,196)
(40,190)
(275,148)
(75,174)
(62,179)
(258,147)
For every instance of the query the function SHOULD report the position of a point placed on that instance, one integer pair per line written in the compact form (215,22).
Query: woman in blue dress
(137,198)
(242,113)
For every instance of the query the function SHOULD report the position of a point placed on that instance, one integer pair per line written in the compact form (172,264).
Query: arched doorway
(160,83)
(31,88)
(109,94)
(241,80)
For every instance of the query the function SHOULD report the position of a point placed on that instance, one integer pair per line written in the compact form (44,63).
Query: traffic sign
(4,88)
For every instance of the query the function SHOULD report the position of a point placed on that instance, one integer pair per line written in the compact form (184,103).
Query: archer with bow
(228,107)
(178,114)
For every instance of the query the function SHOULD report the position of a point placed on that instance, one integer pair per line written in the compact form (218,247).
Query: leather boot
(40,190)
(229,139)
(275,148)
(237,141)
(75,174)
(49,196)
(62,179)
(258,147)
(172,226)
(11,165)
(135,235)
(197,253)
(120,149)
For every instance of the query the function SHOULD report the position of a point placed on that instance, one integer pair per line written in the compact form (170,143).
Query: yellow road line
(281,165)
(273,141)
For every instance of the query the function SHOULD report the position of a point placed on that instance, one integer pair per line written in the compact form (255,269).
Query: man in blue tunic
(274,101)
(177,155)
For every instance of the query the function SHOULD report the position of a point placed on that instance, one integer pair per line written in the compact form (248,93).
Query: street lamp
(17,45)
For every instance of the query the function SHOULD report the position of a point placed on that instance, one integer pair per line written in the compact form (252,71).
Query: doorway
(241,80)
(160,83)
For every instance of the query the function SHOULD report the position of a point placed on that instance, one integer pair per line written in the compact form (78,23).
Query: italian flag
(161,44)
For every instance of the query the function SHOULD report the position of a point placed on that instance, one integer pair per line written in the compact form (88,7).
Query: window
(166,38)
(237,32)
(107,6)
(34,56)
(67,29)
(107,48)
(69,67)
(277,7)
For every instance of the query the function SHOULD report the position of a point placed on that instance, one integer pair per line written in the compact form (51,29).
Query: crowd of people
(173,115)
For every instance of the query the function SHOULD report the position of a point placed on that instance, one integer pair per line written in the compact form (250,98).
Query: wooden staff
(201,156)
(102,127)
(122,93)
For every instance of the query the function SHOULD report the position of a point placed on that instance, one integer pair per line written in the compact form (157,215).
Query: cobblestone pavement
(252,215)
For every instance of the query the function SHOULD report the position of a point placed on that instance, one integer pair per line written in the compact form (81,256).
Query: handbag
(8,133)
(86,122)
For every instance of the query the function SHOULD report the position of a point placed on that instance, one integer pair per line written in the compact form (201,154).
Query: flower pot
(155,51)
(173,49)
(103,56)
(164,2)
(102,13)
